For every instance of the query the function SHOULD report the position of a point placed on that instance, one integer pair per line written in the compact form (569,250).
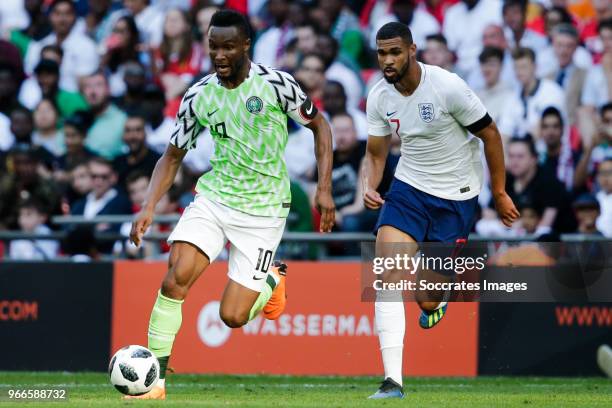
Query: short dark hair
(566,29)
(527,140)
(491,52)
(32,203)
(437,38)
(231,18)
(81,120)
(514,3)
(393,30)
(136,175)
(101,161)
(552,111)
(605,108)
(604,24)
(523,52)
(56,3)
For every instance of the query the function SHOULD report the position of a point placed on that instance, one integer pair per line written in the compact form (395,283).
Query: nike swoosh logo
(309,110)
(212,113)
(256,278)
(392,113)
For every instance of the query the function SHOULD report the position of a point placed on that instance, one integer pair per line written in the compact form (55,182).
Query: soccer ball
(133,370)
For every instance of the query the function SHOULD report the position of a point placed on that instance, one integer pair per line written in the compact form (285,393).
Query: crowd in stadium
(89,90)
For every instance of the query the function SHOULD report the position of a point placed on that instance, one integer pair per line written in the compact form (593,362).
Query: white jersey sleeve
(187,127)
(462,103)
(377,125)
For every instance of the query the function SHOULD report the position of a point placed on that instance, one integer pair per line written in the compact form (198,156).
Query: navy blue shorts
(425,217)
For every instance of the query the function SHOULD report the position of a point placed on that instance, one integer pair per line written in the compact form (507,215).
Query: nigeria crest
(254,104)
(426,111)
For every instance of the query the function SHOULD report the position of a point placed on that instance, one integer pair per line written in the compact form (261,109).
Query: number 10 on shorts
(264,260)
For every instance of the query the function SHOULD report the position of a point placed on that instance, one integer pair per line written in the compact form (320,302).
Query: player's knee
(428,306)
(233,319)
(173,289)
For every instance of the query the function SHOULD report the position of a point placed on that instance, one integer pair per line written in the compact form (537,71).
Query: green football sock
(165,322)
(264,296)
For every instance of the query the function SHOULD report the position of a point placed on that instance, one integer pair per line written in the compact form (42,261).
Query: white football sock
(391,325)
(161,383)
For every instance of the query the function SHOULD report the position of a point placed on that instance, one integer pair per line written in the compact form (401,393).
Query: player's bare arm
(323,151)
(495,160)
(374,166)
(161,181)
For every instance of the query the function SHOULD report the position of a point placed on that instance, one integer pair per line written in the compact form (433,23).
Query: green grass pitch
(94,390)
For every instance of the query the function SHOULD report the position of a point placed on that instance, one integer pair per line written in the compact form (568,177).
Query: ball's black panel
(140,353)
(111,365)
(151,375)
(128,372)
(122,389)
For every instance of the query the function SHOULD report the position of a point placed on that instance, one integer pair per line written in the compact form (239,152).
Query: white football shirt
(438,155)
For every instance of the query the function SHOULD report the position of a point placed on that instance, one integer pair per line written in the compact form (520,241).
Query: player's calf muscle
(185,265)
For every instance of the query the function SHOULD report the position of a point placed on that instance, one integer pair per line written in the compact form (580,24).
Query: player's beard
(402,72)
(236,69)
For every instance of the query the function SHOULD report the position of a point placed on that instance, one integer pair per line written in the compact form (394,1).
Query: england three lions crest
(426,111)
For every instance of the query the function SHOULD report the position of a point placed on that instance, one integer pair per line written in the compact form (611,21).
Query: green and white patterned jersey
(249,127)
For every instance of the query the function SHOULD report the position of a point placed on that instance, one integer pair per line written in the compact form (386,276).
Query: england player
(245,198)
(437,180)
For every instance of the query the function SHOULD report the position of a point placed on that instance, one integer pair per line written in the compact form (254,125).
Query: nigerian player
(245,198)
(433,197)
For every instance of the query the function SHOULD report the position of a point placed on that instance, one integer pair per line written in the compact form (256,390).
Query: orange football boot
(276,304)
(156,393)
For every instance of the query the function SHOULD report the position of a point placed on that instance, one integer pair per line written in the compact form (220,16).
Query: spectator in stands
(270,45)
(98,19)
(178,59)
(9,85)
(588,30)
(334,102)
(595,151)
(514,14)
(496,95)
(436,52)
(202,18)
(22,127)
(306,36)
(121,49)
(556,156)
(32,219)
(529,220)
(46,133)
(80,183)
(135,81)
(139,156)
(340,69)
(75,132)
(566,73)
(464,24)
(80,56)
(597,87)
(25,183)
(311,75)
(351,215)
(149,20)
(587,210)
(527,182)
(536,94)
(493,36)
(104,198)
(336,18)
(37,29)
(105,134)
(421,23)
(158,126)
(604,196)
(45,84)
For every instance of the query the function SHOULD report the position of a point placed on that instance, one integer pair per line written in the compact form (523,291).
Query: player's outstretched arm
(374,166)
(323,150)
(161,181)
(494,154)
